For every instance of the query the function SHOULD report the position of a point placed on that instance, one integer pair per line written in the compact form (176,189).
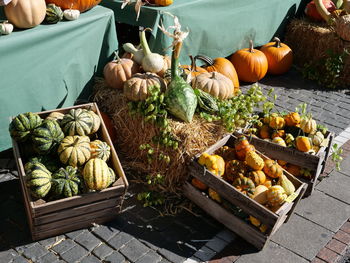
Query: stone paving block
(102,251)
(205,253)
(34,252)
(324,210)
(105,232)
(318,260)
(328,255)
(346,227)
(48,258)
(337,246)
(226,235)
(75,254)
(88,240)
(217,244)
(150,257)
(115,257)
(119,240)
(134,250)
(343,237)
(64,246)
(170,255)
(51,241)
(76,233)
(272,253)
(7,255)
(90,259)
(20,259)
(302,236)
(345,166)
(336,185)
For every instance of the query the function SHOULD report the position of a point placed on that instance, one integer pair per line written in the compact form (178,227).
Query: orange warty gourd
(25,13)
(251,64)
(278,133)
(223,66)
(279,57)
(292,119)
(264,132)
(272,169)
(81,5)
(242,146)
(303,143)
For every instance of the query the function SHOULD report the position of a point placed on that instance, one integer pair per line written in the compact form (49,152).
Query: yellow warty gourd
(276,195)
(254,160)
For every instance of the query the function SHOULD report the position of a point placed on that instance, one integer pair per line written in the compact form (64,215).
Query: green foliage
(151,198)
(336,155)
(326,71)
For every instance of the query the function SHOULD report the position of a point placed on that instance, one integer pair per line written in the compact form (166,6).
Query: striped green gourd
(23,124)
(54,14)
(39,180)
(66,182)
(96,123)
(206,101)
(100,149)
(180,99)
(111,176)
(74,150)
(47,137)
(77,122)
(51,163)
(96,174)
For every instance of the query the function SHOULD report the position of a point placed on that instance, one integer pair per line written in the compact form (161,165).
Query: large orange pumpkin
(279,57)
(251,64)
(81,5)
(25,13)
(221,65)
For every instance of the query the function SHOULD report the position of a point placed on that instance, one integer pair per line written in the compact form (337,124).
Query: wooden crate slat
(75,211)
(235,224)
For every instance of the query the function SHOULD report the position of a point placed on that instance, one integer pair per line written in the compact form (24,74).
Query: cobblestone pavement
(318,232)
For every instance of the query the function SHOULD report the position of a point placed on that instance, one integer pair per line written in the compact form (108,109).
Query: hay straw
(310,42)
(132,131)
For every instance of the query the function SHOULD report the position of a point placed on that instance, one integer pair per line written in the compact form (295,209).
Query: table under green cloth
(217,27)
(51,66)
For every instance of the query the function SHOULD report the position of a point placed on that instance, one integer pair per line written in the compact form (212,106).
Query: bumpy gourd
(47,137)
(254,160)
(272,168)
(39,180)
(258,177)
(278,133)
(244,185)
(214,163)
(276,195)
(23,124)
(77,122)
(276,122)
(96,174)
(289,139)
(317,138)
(287,185)
(242,147)
(279,141)
(66,182)
(74,150)
(308,125)
(235,169)
(100,149)
(264,132)
(303,143)
(292,119)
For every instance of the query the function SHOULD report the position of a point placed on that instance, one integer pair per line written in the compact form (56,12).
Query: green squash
(74,150)
(66,182)
(54,14)
(23,124)
(206,101)
(39,180)
(47,137)
(96,174)
(77,122)
(100,149)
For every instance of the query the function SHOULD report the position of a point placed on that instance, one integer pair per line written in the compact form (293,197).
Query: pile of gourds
(292,130)
(65,156)
(244,168)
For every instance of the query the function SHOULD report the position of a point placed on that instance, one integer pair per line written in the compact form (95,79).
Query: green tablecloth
(50,66)
(217,27)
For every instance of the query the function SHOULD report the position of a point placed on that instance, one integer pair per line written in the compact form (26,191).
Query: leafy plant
(336,155)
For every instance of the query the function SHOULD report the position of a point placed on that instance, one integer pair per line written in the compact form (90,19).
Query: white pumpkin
(317,138)
(6,28)
(71,14)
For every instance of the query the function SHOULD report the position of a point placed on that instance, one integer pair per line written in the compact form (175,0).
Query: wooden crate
(316,163)
(273,220)
(47,219)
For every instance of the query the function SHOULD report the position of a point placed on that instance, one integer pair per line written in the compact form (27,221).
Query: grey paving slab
(105,232)
(102,251)
(76,233)
(51,241)
(48,258)
(7,255)
(90,259)
(272,253)
(35,252)
(324,210)
(345,166)
(88,240)
(150,257)
(64,246)
(336,185)
(134,250)
(119,240)
(217,244)
(115,257)
(205,253)
(302,237)
(20,259)
(171,255)
(75,254)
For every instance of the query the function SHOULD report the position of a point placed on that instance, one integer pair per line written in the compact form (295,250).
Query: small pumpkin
(276,195)
(317,138)
(6,28)
(308,125)
(258,177)
(119,70)
(96,174)
(71,14)
(251,64)
(199,184)
(242,146)
(215,84)
(51,163)
(292,119)
(136,88)
(235,169)
(303,143)
(100,149)
(80,5)
(244,185)
(74,150)
(54,14)
(23,124)
(289,139)
(111,176)
(277,123)
(77,122)
(223,66)
(267,117)
(279,56)
(264,132)
(279,141)
(278,133)
(39,180)
(272,169)
(254,160)
(260,194)
(66,182)
(47,137)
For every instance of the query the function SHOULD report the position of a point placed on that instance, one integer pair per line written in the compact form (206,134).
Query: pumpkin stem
(207,60)
(251,46)
(277,42)
(214,75)
(322,10)
(116,55)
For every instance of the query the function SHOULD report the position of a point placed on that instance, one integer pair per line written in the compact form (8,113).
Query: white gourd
(6,28)
(137,53)
(151,62)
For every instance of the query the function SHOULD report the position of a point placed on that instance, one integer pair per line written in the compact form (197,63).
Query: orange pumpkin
(258,177)
(81,5)
(272,169)
(264,132)
(292,119)
(25,13)
(251,64)
(199,184)
(276,122)
(221,65)
(162,2)
(278,133)
(118,71)
(279,56)
(303,143)
(242,146)
(193,69)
